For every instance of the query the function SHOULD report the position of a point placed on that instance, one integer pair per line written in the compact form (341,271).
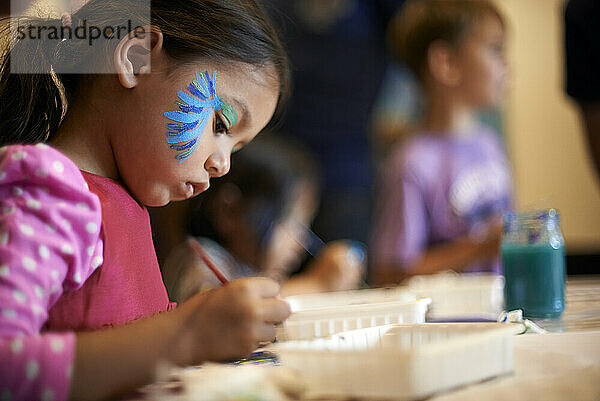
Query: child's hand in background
(489,237)
(230,321)
(339,266)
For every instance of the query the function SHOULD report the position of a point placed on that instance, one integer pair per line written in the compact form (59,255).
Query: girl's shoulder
(418,150)
(45,203)
(39,164)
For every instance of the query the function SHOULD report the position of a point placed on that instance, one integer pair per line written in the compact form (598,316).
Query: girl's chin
(157,200)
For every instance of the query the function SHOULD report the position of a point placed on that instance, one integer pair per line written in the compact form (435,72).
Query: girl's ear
(442,64)
(133,54)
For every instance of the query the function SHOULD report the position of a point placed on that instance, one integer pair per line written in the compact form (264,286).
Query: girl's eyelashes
(221,126)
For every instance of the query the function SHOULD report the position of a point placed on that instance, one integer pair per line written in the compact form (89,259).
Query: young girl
(445,188)
(253,222)
(76,254)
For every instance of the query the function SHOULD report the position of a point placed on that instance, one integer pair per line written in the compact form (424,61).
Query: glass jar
(533,259)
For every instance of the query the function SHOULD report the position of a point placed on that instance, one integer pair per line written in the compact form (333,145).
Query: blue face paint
(195,108)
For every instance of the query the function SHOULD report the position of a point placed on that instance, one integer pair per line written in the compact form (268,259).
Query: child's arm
(227,322)
(49,243)
(453,255)
(401,228)
(338,267)
(401,233)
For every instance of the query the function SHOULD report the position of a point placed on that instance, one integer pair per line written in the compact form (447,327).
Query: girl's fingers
(264,287)
(275,310)
(266,333)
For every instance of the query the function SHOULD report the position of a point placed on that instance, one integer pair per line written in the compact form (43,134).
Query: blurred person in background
(445,188)
(582,50)
(338,55)
(254,222)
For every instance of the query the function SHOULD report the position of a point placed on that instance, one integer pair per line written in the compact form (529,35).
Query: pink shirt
(65,264)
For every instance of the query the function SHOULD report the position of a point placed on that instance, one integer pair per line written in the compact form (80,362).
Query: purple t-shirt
(436,188)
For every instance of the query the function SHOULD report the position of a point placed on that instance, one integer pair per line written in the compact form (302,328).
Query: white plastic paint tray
(461,296)
(321,315)
(400,362)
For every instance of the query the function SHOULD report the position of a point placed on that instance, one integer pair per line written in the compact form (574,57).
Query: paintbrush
(308,240)
(197,248)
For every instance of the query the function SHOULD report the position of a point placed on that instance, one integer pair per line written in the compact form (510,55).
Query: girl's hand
(230,321)
(339,266)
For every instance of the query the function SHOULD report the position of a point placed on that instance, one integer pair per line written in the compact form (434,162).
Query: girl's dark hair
(267,173)
(220,31)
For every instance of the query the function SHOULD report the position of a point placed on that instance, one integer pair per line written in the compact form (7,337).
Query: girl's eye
(220,126)
(497,48)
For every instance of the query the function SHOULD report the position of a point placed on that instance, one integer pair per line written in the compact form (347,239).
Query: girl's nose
(217,164)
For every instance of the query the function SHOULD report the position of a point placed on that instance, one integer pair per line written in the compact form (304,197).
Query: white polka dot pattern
(38,310)
(50,239)
(16,345)
(19,296)
(19,155)
(96,262)
(57,344)
(39,291)
(66,249)
(32,370)
(34,204)
(44,252)
(41,172)
(48,395)
(29,263)
(27,229)
(58,166)
(6,395)
(9,313)
(91,227)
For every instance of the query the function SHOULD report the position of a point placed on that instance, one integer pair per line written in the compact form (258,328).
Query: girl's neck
(446,115)
(82,137)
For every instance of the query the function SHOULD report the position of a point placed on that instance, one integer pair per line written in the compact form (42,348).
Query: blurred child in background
(253,222)
(444,189)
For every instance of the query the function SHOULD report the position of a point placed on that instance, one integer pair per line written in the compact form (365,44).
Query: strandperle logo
(83,31)
(74,36)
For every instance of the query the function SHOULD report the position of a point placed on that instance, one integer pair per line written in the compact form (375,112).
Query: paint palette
(461,297)
(400,362)
(321,315)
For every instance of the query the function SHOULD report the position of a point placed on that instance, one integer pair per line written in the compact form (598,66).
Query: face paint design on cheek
(195,108)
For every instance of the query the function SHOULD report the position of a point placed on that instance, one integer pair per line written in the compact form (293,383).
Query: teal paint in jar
(533,259)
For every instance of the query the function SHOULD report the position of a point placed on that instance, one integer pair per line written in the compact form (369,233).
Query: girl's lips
(193,189)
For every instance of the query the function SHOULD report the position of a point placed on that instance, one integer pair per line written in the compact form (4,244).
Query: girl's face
(482,63)
(148,165)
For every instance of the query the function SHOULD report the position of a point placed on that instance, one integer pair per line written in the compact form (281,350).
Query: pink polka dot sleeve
(49,243)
